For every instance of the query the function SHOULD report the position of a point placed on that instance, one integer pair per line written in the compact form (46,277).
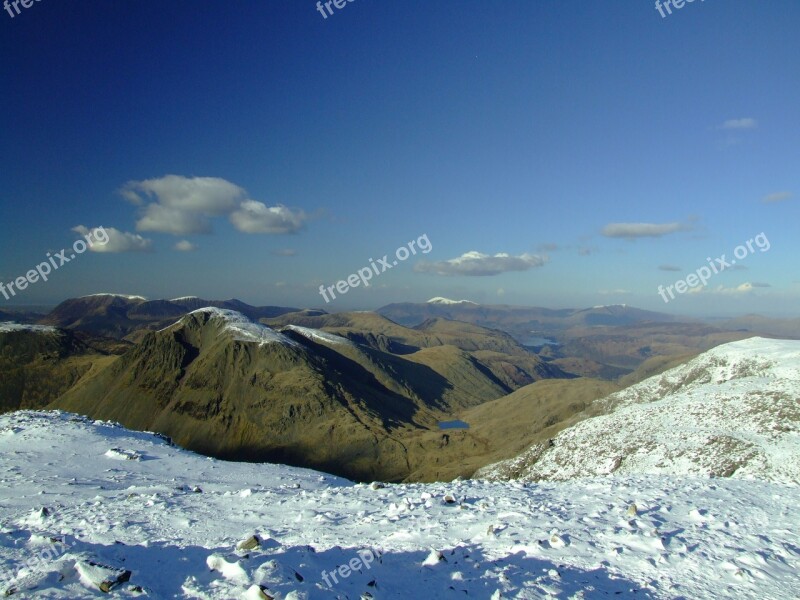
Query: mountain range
(332,398)
(356,393)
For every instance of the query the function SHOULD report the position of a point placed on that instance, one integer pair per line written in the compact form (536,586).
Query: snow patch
(318,335)
(126,297)
(243,329)
(229,570)
(441,300)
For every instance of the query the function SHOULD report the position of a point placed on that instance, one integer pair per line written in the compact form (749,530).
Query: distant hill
(39,363)
(223,385)
(606,342)
(22,315)
(627,347)
(432,332)
(509,362)
(520,321)
(120,316)
(758,324)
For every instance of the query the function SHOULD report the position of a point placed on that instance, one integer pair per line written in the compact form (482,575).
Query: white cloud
(740,289)
(477,264)
(776,197)
(671,268)
(745,123)
(205,195)
(744,288)
(131,196)
(632,231)
(185,205)
(285,252)
(617,292)
(118,241)
(256,217)
(166,219)
(185,246)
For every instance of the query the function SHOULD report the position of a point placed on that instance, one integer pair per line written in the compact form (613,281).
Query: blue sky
(562,154)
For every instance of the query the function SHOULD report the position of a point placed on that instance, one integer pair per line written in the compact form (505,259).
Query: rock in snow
(134,528)
(104,578)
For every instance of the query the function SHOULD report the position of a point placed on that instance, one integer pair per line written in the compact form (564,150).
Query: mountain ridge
(730,412)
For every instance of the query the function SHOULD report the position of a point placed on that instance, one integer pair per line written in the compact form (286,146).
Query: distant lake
(536,342)
(453,425)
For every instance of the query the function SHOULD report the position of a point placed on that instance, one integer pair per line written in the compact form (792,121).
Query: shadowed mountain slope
(39,363)
(223,385)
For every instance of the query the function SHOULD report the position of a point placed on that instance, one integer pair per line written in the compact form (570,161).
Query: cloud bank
(476,264)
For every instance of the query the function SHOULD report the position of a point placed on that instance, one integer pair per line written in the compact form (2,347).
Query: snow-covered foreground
(84,504)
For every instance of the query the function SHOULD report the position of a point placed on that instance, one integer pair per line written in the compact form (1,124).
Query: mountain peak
(124,296)
(441,300)
(239,326)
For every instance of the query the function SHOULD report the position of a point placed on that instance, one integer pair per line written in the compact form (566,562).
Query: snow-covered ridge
(752,360)
(318,335)
(9,326)
(117,296)
(84,501)
(184,298)
(440,300)
(243,329)
(732,412)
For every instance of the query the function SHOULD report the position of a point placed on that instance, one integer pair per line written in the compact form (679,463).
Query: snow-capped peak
(184,298)
(441,300)
(243,329)
(126,297)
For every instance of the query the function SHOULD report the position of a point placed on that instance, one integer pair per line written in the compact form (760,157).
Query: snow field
(172,521)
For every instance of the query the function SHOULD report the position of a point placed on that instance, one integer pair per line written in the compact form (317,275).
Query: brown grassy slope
(333,407)
(501,428)
(36,367)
